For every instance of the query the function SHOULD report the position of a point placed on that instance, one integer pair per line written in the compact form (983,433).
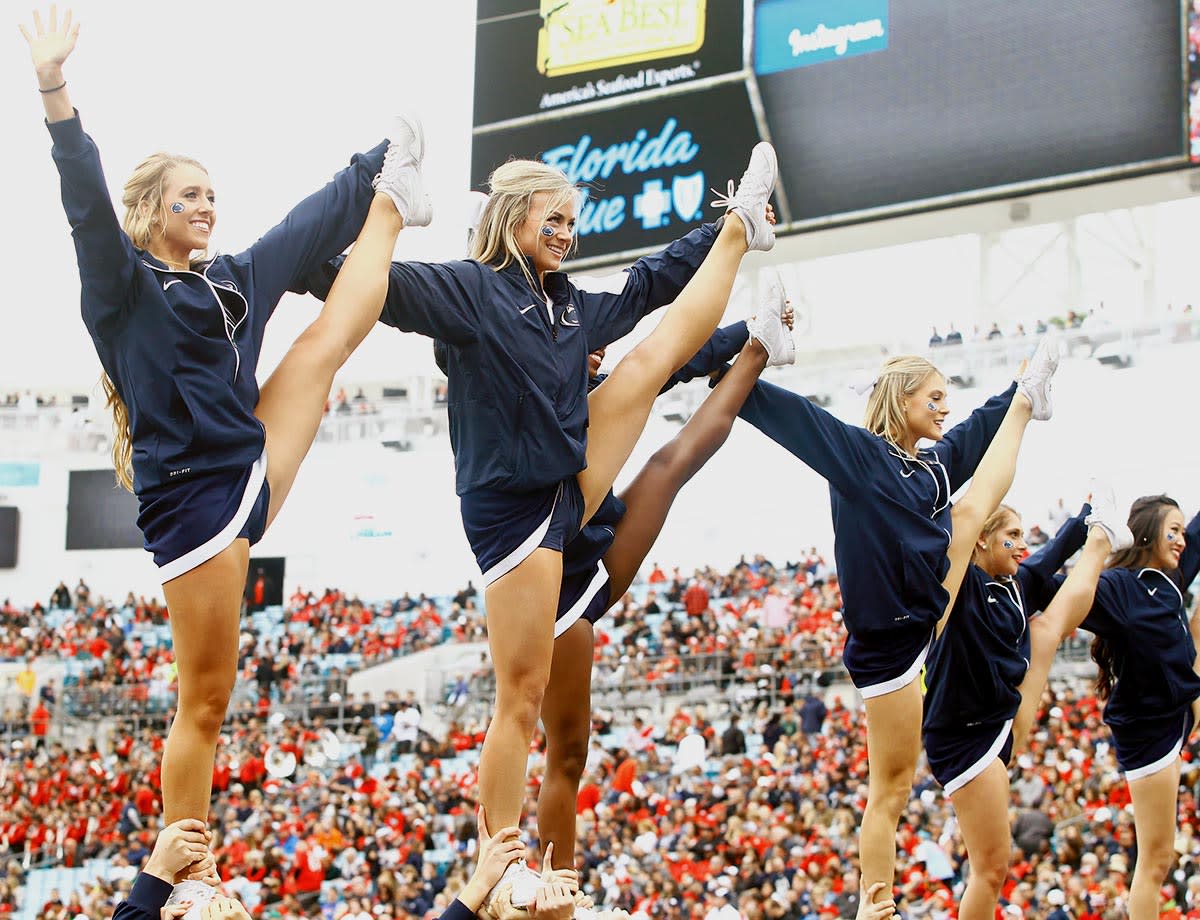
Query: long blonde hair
(145,214)
(900,377)
(513,186)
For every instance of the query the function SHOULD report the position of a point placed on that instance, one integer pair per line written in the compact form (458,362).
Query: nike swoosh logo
(168,283)
(527,309)
(908,474)
(992,600)
(1153,591)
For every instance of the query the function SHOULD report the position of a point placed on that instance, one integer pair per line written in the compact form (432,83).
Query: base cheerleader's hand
(224,909)
(552,876)
(178,847)
(496,852)
(871,909)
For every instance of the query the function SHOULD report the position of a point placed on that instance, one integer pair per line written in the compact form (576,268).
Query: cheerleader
(897,563)
(210,457)
(976,674)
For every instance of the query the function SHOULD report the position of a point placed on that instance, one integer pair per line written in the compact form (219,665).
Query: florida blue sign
(647,167)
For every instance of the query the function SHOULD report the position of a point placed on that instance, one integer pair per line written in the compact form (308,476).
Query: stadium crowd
(745,804)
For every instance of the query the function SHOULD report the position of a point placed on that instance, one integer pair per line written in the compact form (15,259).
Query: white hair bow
(864,383)
(476,202)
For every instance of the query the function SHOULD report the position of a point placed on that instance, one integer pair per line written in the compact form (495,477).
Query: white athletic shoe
(750,199)
(524,882)
(1108,517)
(199,893)
(767,325)
(400,179)
(1035,382)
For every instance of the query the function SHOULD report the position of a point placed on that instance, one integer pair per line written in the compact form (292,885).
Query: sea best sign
(542,57)
(579,35)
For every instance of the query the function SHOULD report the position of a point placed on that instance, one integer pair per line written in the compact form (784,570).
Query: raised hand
(553,901)
(552,876)
(203,871)
(496,851)
(178,846)
(50,44)
(870,909)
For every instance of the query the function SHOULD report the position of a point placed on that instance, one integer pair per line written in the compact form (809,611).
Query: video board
(100,514)
(876,107)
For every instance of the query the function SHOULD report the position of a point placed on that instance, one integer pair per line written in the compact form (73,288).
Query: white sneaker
(1108,517)
(749,202)
(767,325)
(199,893)
(1035,382)
(400,179)
(524,882)
(406,142)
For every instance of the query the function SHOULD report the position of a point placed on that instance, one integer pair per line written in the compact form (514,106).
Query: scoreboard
(876,107)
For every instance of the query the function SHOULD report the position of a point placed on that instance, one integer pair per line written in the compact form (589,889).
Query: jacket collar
(553,283)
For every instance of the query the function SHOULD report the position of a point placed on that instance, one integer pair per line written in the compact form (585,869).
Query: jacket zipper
(231,327)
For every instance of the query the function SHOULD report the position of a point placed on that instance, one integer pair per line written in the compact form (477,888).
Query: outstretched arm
(423,297)
(725,345)
(652,282)
(105,255)
(610,309)
(50,45)
(835,450)
(314,231)
(1036,574)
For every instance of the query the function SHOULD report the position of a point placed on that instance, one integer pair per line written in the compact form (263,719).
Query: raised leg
(292,401)
(991,482)
(1068,609)
(650,496)
(619,407)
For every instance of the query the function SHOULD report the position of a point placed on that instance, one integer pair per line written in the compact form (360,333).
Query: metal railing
(397,420)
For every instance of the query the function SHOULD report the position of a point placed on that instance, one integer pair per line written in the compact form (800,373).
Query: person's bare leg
(893,747)
(1155,808)
(292,401)
(206,608)
(520,619)
(1069,608)
(619,407)
(982,810)
(649,497)
(991,482)
(567,720)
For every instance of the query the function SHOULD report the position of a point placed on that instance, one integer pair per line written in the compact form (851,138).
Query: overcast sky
(272,97)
